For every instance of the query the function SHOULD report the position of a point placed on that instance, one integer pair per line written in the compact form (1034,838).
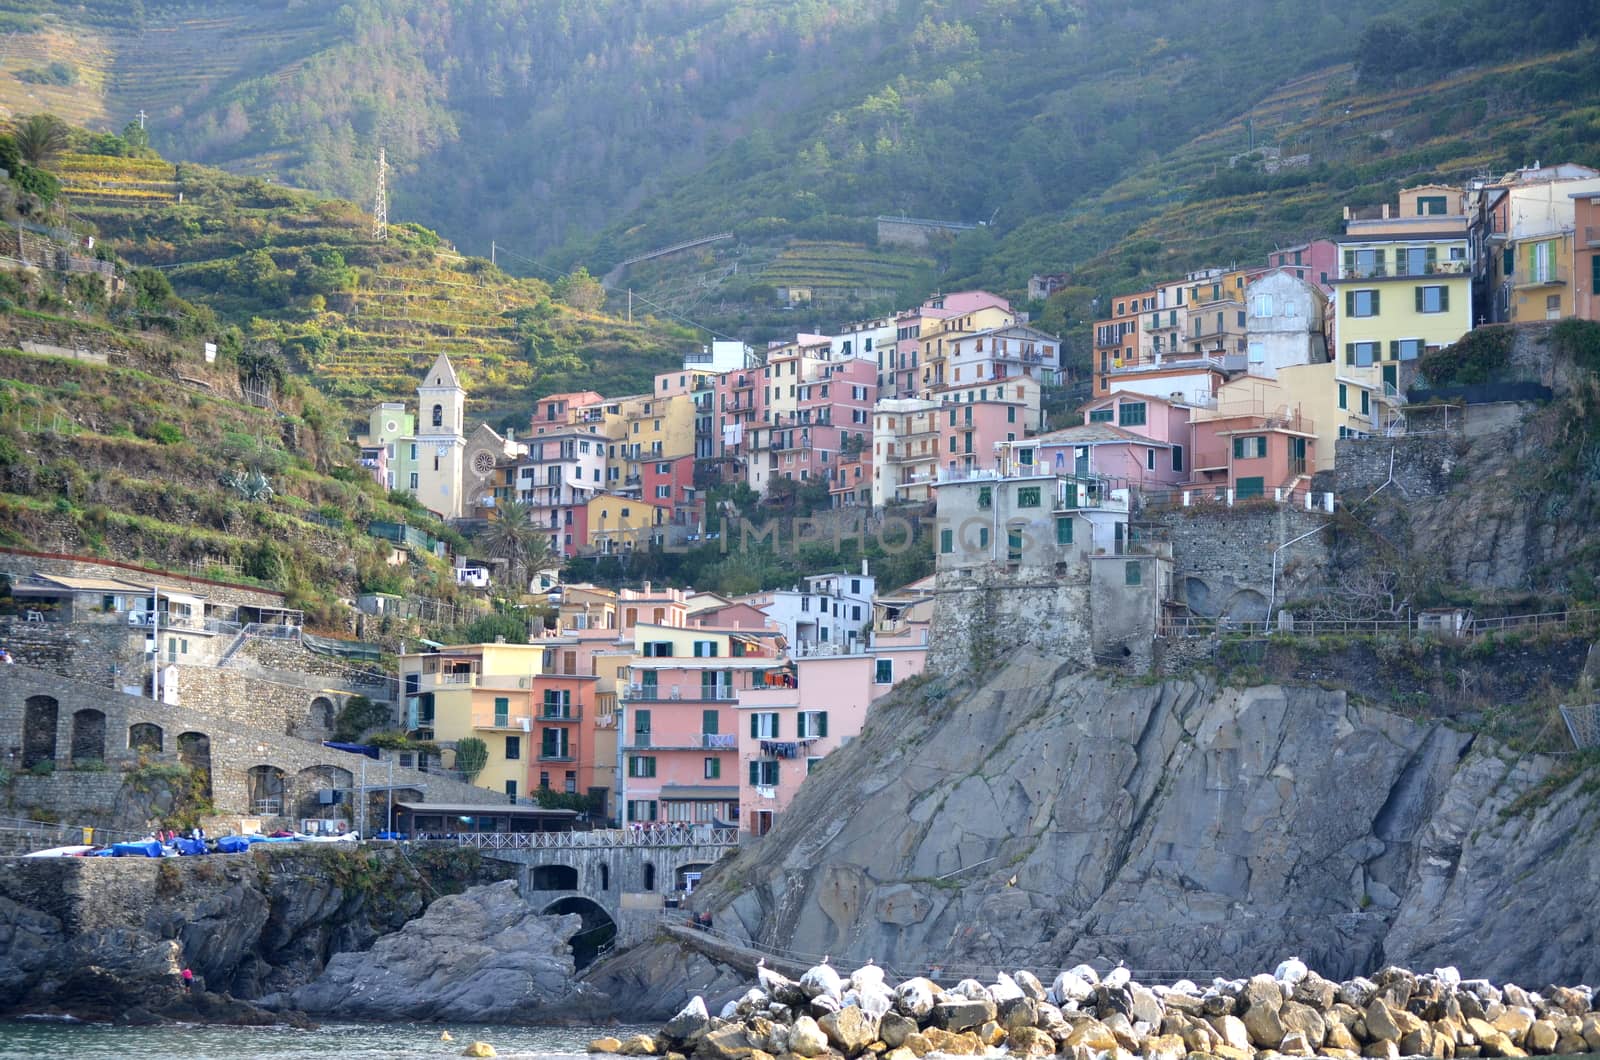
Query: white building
(1284,323)
(829,615)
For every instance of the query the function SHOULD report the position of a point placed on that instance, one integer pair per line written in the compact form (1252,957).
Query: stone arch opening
(194,751)
(147,737)
(1246,605)
(1197,594)
(265,787)
(88,736)
(39,717)
(687,877)
(649,876)
(596,935)
(314,784)
(320,715)
(605,876)
(553,878)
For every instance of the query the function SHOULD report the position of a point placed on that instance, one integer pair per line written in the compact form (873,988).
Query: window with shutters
(1363,303)
(502,712)
(764,725)
(1250,447)
(812,724)
(713,768)
(1177,458)
(1131,414)
(1133,573)
(947,543)
(1344,396)
(1433,299)
(705,649)
(1064,530)
(1405,349)
(1106,415)
(764,773)
(883,672)
(1028,497)
(513,748)
(1360,354)
(641,766)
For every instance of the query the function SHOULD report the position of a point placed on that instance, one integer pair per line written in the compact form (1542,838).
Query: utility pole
(380,204)
(491,252)
(141,117)
(630,305)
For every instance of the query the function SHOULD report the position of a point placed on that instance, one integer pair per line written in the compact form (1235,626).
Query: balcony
(1404,269)
(555,755)
(678,694)
(574,713)
(1550,276)
(719,741)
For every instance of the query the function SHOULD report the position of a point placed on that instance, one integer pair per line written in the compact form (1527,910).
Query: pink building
(785,731)
(1252,455)
(740,407)
(677,736)
(1100,449)
(1314,262)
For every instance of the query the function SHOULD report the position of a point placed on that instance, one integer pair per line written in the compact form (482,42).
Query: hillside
(361,317)
(612,128)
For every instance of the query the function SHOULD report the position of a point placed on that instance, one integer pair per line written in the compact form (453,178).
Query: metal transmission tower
(380,204)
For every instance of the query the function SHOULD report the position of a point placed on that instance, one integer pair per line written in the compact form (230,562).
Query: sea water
(26,1039)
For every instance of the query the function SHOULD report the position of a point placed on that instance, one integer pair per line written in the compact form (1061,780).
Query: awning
(481,809)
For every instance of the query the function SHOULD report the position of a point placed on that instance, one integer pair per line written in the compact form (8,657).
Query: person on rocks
(188,980)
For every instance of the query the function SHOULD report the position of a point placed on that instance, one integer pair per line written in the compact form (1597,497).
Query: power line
(618,290)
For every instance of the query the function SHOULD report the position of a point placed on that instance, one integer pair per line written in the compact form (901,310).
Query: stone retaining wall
(232,747)
(19,562)
(1222,558)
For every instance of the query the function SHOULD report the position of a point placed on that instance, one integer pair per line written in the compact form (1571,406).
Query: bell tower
(441,439)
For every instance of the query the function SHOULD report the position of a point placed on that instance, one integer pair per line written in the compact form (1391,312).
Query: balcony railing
(677,693)
(1551,276)
(661,836)
(1402,269)
(719,741)
(1591,235)
(560,714)
(555,755)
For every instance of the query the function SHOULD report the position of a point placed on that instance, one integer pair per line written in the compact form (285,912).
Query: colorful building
(1586,257)
(678,743)
(1404,285)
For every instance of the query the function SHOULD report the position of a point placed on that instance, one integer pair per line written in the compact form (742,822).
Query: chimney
(863,566)
(647,588)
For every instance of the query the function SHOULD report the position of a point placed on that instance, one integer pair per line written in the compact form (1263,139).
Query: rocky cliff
(1045,817)
(479,957)
(105,937)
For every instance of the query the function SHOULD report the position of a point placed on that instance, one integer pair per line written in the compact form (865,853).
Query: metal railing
(667,836)
(1469,628)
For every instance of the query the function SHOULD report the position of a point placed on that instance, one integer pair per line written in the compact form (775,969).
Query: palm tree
(512,536)
(39,138)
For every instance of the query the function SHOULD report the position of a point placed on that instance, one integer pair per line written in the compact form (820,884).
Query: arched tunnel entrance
(598,931)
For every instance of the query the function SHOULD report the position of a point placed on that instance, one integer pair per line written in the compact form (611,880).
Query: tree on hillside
(39,138)
(511,536)
(580,290)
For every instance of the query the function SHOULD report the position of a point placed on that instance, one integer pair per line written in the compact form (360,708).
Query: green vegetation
(359,715)
(472,754)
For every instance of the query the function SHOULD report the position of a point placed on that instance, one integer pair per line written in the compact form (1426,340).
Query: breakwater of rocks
(1293,1012)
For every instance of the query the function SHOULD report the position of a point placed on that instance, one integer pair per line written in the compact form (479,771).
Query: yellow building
(487,691)
(1337,404)
(1403,285)
(1540,280)
(937,336)
(621,524)
(646,429)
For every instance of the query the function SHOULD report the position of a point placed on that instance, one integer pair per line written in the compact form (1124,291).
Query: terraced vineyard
(101,178)
(363,318)
(836,270)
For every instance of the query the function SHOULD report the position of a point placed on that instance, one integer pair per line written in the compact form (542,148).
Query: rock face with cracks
(1175,825)
(478,957)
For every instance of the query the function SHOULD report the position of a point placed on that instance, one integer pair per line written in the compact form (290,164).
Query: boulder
(1540,1038)
(1302,1019)
(1591,1031)
(1570,1045)
(1262,991)
(482,956)
(916,997)
(991,1033)
(900,1053)
(1019,1012)
(1381,1025)
(961,1014)
(690,1022)
(1381,1050)
(1093,1034)
(1513,1023)
(1263,1026)
(1122,1030)
(1144,1006)
(1232,1031)
(894,1028)
(604,1045)
(1357,992)
(1030,985)
(1164,1047)
(1339,1037)
(918,1044)
(1295,1044)
(1418,1041)
(806,1038)
(1316,991)
(964,1043)
(479,1049)
(1030,1041)
(850,1029)
(729,1042)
